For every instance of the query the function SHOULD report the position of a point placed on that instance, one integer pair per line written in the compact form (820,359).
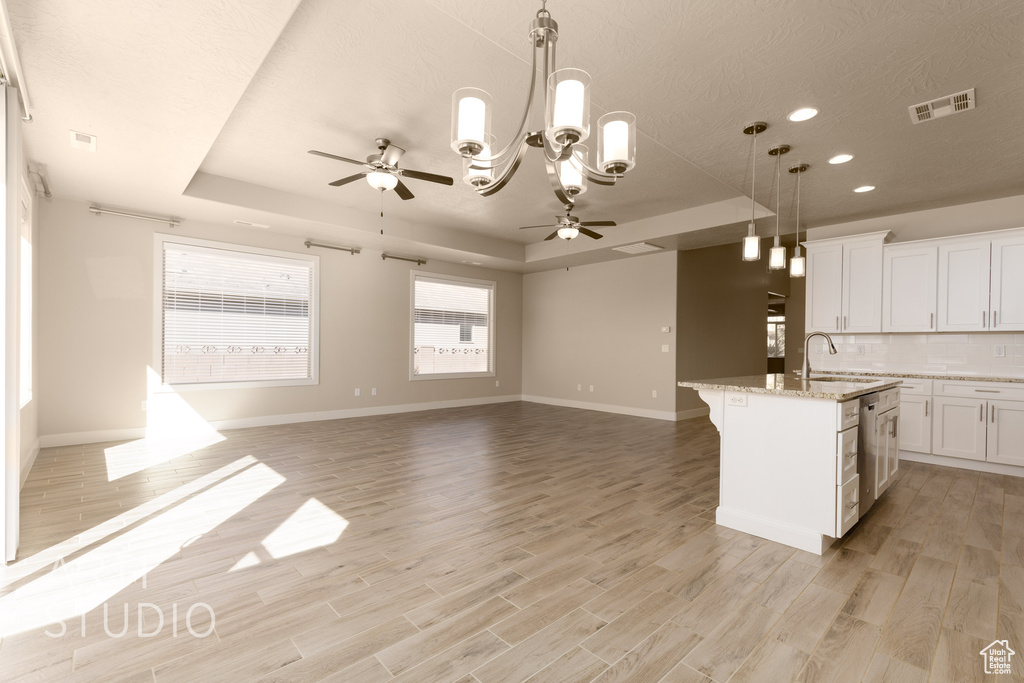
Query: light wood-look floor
(490,545)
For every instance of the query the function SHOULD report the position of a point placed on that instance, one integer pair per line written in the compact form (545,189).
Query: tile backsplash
(940,353)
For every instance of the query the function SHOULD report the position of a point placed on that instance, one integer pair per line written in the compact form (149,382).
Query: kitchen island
(788,454)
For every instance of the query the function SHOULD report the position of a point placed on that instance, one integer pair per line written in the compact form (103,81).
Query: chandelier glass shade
(488,167)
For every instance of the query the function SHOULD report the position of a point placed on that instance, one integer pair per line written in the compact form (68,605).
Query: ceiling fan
(570,226)
(383,170)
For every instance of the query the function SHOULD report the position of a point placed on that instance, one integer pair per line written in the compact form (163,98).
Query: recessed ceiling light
(865,188)
(803,114)
(840,158)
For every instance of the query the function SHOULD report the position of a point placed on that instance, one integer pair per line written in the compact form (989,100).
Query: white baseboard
(692,413)
(101,436)
(804,539)
(26,466)
(963,463)
(605,408)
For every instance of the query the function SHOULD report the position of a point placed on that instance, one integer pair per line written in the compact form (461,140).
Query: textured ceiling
(206,110)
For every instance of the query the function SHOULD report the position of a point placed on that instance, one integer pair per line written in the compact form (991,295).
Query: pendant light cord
(798,209)
(753,175)
(778,190)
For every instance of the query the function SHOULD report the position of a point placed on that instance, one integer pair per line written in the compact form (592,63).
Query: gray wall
(96,321)
(721,310)
(600,325)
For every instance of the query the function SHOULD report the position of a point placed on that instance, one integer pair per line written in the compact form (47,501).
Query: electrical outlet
(654,393)
(579,387)
(145,406)
(497,383)
(357,391)
(373,392)
(591,388)
(1000,351)
(666,329)
(664,348)
(860,349)
(737,400)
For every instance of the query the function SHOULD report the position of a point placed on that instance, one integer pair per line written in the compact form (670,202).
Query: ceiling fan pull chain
(382,212)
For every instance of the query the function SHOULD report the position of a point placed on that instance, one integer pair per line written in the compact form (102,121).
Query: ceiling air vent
(944,106)
(638,248)
(83,141)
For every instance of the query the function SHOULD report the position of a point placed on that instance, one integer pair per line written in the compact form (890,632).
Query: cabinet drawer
(847,454)
(916,387)
(1007,391)
(849,414)
(847,505)
(890,398)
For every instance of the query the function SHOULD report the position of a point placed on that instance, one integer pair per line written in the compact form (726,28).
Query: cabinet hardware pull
(983,319)
(926,408)
(993,414)
(986,391)
(837,323)
(981,412)
(931,321)
(994,313)
(852,505)
(896,427)
(845,326)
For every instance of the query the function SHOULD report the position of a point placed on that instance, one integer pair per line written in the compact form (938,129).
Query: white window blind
(236,316)
(453,326)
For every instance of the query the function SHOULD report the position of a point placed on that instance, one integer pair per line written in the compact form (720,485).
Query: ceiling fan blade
(346,181)
(402,191)
(599,224)
(429,177)
(335,156)
(546,225)
(590,233)
(391,155)
(551,236)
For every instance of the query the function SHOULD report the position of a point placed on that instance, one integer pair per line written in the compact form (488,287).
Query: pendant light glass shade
(570,171)
(777,256)
(751,245)
(616,142)
(567,110)
(381,181)
(797,264)
(471,121)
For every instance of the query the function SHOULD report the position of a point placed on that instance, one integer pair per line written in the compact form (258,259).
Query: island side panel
(778,467)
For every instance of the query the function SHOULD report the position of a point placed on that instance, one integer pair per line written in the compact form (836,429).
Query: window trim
(159,240)
(491,326)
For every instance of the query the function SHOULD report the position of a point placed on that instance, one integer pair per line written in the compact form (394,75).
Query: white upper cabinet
(1006,304)
(909,288)
(844,284)
(963,285)
(824,288)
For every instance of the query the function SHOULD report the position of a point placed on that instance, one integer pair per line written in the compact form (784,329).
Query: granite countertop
(784,385)
(921,375)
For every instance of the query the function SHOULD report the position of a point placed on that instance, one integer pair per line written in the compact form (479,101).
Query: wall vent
(638,248)
(83,141)
(944,106)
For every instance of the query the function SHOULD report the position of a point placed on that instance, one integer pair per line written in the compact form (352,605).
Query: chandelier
(566,127)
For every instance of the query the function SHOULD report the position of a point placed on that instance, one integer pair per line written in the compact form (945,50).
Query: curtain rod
(417,261)
(173,222)
(351,250)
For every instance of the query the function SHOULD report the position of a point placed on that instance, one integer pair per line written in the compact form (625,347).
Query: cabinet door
(915,427)
(963,286)
(1007,300)
(959,427)
(909,288)
(862,288)
(893,448)
(1006,432)
(824,288)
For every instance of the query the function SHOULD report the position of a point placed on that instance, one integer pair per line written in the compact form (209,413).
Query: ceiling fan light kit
(566,126)
(382,170)
(379,180)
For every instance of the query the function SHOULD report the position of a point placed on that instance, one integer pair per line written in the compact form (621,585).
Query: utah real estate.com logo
(997,657)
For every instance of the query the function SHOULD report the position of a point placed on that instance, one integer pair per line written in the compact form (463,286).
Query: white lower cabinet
(1006,432)
(959,427)
(915,423)
(847,505)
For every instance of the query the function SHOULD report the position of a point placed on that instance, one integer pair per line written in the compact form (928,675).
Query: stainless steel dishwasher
(867,449)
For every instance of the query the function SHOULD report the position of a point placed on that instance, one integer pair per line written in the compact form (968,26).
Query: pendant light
(777,254)
(751,243)
(797,264)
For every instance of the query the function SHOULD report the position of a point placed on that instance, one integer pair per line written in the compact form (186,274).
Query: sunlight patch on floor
(86,582)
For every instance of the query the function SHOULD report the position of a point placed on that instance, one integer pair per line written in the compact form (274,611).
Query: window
(25,371)
(452,327)
(776,336)
(234,314)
